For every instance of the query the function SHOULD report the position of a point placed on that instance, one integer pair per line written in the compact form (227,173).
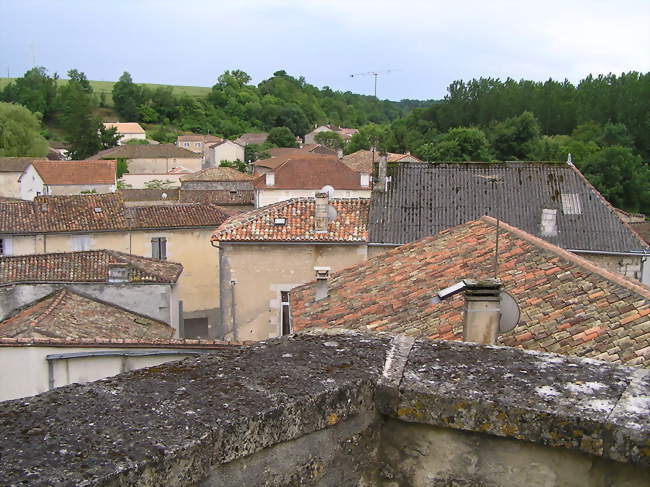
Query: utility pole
(374,74)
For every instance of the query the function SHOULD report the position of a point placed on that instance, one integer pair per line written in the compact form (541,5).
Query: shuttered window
(159,248)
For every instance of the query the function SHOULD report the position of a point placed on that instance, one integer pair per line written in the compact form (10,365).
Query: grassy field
(106,88)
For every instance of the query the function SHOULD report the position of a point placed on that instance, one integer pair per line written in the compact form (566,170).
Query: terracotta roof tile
(84,266)
(198,138)
(350,225)
(76,172)
(280,155)
(568,304)
(71,315)
(147,151)
(313,172)
(363,160)
(218,174)
(125,127)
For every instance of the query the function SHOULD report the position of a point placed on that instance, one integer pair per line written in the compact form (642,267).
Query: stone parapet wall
(338,409)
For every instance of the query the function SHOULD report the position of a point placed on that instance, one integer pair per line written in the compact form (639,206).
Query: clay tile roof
(643,229)
(147,151)
(14,164)
(425,198)
(198,138)
(568,304)
(280,155)
(363,160)
(350,224)
(218,196)
(87,172)
(312,172)
(100,212)
(84,266)
(218,174)
(66,314)
(252,138)
(125,127)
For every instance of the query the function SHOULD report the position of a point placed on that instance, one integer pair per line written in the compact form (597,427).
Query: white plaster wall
(32,364)
(228,151)
(137,181)
(126,137)
(9,185)
(31,184)
(265,197)
(66,189)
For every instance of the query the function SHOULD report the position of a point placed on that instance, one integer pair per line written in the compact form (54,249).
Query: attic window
(98,210)
(278,222)
(571,204)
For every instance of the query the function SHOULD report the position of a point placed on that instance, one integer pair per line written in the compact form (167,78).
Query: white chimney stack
(322,281)
(118,272)
(482,311)
(321,215)
(382,169)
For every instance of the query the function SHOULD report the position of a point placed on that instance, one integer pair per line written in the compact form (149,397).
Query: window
(285,318)
(159,248)
(2,247)
(197,144)
(186,144)
(196,328)
(6,246)
(80,242)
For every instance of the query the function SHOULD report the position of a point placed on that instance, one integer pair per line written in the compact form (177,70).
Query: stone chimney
(322,282)
(320,213)
(382,169)
(482,311)
(118,272)
(270,178)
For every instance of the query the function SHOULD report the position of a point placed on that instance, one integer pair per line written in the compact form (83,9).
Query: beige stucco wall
(261,271)
(138,181)
(65,189)
(265,197)
(192,145)
(228,151)
(163,165)
(9,185)
(31,184)
(33,376)
(310,138)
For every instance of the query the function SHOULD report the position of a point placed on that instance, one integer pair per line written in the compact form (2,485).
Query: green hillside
(106,87)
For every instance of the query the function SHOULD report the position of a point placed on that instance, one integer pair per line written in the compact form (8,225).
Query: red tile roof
(100,212)
(362,160)
(68,314)
(218,174)
(312,172)
(350,224)
(568,304)
(125,127)
(87,172)
(280,155)
(84,266)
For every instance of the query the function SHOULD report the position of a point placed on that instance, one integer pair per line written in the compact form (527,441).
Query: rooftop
(568,305)
(298,217)
(218,174)
(198,138)
(84,266)
(14,164)
(363,160)
(417,204)
(72,315)
(125,127)
(280,155)
(87,172)
(312,172)
(252,138)
(332,413)
(100,212)
(145,151)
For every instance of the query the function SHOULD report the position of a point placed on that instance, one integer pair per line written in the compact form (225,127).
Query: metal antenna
(494,180)
(375,74)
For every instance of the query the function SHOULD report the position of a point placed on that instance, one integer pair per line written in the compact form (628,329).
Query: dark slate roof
(568,304)
(424,199)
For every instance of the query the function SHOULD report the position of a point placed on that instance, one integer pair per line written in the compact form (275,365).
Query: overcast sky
(425,43)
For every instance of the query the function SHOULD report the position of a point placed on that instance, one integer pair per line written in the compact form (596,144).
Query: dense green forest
(602,121)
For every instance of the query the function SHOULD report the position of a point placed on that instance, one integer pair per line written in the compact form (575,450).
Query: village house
(568,304)
(265,253)
(136,284)
(197,143)
(305,176)
(345,133)
(553,201)
(252,138)
(217,178)
(364,160)
(11,169)
(226,150)
(179,233)
(278,156)
(43,177)
(127,131)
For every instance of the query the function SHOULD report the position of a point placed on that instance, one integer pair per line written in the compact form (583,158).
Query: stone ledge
(171,424)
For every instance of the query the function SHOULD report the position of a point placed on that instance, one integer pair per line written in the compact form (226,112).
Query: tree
(330,139)
(369,136)
(512,139)
(127,96)
(241,166)
(121,167)
(159,184)
(108,137)
(460,144)
(82,129)
(35,90)
(282,137)
(20,132)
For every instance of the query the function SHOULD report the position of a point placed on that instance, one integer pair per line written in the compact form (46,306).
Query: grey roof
(15,164)
(144,151)
(425,198)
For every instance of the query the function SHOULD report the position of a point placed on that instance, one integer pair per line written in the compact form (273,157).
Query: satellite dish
(164,196)
(329,190)
(510,312)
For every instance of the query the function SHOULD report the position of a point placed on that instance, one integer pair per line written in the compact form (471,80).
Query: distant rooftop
(125,127)
(218,174)
(86,172)
(15,164)
(145,151)
(363,160)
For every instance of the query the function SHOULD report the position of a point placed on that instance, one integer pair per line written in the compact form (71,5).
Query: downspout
(235,336)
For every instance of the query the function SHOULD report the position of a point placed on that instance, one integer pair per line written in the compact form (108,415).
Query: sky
(418,46)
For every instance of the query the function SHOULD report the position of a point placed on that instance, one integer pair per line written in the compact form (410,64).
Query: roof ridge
(255,214)
(133,261)
(57,300)
(571,257)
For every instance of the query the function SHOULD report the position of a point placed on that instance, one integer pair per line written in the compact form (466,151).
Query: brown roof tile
(76,172)
(350,225)
(125,127)
(147,151)
(568,304)
(198,138)
(218,174)
(14,164)
(68,314)
(252,138)
(280,155)
(223,197)
(84,266)
(362,160)
(313,172)
(642,228)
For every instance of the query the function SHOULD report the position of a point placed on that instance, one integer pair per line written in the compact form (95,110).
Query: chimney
(270,178)
(382,168)
(321,213)
(322,278)
(118,272)
(482,311)
(339,154)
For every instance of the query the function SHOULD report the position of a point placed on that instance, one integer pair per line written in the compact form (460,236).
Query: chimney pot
(321,201)
(482,311)
(322,282)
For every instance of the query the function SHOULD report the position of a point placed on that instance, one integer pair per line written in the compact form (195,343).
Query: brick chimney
(322,282)
(118,272)
(482,311)
(321,213)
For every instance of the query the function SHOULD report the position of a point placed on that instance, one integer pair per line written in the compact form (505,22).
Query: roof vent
(279,221)
(98,210)
(548,226)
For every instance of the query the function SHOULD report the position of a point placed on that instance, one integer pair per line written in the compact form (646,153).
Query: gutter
(635,253)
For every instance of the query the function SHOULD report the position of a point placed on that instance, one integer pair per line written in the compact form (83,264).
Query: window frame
(159,248)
